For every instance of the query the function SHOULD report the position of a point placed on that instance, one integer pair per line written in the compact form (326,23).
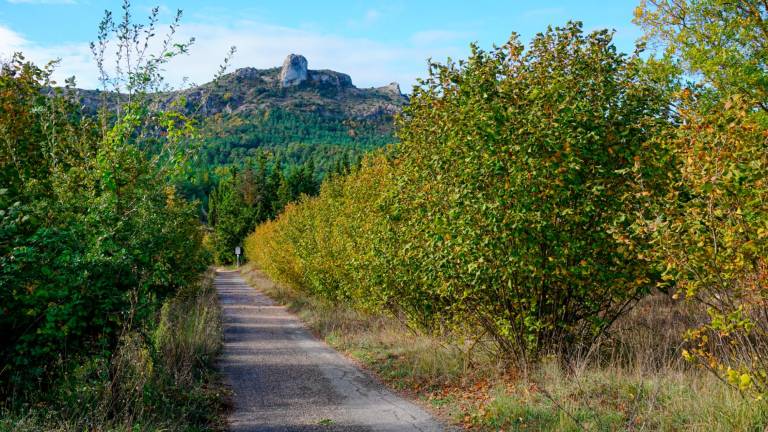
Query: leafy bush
(713,238)
(158,381)
(522,176)
(511,206)
(322,244)
(92,236)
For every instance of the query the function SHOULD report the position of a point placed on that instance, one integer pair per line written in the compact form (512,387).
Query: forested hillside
(261,141)
(252,112)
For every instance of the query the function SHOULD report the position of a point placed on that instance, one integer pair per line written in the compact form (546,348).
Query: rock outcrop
(392,88)
(294,71)
(332,78)
(292,87)
(247,73)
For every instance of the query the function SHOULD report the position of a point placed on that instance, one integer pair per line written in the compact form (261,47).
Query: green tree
(247,196)
(725,42)
(233,219)
(712,230)
(284,193)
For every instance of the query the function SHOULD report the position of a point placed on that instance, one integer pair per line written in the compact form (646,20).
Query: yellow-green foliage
(713,236)
(322,244)
(506,209)
(713,239)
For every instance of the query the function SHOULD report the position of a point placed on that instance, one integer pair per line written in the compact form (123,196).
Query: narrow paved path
(285,379)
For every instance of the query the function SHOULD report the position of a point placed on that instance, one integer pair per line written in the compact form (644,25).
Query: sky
(375,42)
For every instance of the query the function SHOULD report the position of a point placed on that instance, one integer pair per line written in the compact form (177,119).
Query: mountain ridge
(293,111)
(292,87)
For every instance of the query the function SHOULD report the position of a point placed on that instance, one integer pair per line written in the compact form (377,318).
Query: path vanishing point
(285,379)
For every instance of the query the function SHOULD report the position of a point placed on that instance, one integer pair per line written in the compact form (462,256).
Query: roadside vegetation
(566,238)
(160,377)
(637,380)
(108,320)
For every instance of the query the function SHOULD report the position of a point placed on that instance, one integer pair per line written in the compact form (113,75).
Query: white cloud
(75,58)
(10,40)
(260,45)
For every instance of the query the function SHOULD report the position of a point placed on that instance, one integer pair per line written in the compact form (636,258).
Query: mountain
(298,123)
(291,110)
(294,87)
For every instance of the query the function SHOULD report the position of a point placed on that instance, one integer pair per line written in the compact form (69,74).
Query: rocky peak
(393,88)
(292,87)
(294,70)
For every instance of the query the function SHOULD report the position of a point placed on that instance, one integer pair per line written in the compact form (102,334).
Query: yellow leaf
(745,381)
(687,355)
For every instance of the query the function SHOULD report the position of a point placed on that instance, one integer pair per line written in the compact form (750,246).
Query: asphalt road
(285,379)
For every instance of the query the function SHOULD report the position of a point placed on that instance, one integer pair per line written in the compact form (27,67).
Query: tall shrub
(522,175)
(92,235)
(510,207)
(325,244)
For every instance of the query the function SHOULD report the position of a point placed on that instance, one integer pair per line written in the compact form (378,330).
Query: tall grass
(159,378)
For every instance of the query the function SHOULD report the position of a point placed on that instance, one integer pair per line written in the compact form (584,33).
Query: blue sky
(376,42)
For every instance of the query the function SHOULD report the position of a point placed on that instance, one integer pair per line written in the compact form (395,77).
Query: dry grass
(634,380)
(613,399)
(650,337)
